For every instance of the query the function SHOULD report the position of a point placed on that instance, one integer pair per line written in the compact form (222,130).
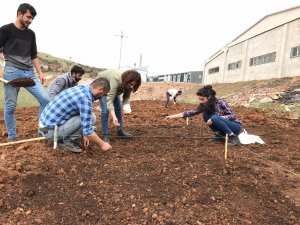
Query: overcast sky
(171,35)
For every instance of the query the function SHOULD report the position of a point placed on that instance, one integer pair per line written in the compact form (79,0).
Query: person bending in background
(120,83)
(65,81)
(72,111)
(217,114)
(171,95)
(20,52)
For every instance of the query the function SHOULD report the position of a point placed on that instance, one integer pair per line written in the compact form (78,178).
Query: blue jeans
(11,96)
(105,114)
(70,130)
(223,125)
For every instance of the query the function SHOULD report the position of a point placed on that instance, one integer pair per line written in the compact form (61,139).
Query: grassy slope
(24,99)
(51,64)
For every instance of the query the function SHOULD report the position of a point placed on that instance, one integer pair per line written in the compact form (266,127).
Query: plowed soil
(170,173)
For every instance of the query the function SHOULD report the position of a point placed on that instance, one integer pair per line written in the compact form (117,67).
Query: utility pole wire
(121,37)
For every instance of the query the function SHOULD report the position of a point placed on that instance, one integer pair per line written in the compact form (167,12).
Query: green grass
(24,98)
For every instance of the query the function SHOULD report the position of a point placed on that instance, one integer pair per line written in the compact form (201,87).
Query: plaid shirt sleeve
(85,110)
(223,109)
(191,113)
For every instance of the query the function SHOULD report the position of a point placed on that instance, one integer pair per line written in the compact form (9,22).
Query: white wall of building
(269,35)
(291,66)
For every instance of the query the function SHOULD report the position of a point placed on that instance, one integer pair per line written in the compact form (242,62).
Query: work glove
(127,108)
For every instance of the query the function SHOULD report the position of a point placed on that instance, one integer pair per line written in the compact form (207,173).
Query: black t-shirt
(19,46)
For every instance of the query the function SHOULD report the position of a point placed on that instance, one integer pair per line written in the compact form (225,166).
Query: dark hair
(129,76)
(206,91)
(101,82)
(77,69)
(179,92)
(209,93)
(24,7)
(1,50)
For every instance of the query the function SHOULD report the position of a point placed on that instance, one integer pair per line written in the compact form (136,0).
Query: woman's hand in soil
(169,117)
(116,122)
(209,122)
(179,115)
(105,146)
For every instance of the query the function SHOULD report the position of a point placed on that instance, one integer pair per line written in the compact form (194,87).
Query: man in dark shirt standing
(20,52)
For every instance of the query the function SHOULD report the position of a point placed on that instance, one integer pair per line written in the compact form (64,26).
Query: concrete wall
(196,77)
(269,22)
(291,66)
(261,45)
(214,78)
(235,53)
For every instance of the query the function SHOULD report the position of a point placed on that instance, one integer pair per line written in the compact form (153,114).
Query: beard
(97,96)
(24,24)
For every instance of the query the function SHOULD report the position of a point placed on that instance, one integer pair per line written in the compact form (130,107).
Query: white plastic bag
(127,108)
(246,138)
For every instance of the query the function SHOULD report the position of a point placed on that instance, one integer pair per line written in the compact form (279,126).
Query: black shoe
(233,140)
(106,138)
(123,134)
(218,138)
(40,134)
(71,145)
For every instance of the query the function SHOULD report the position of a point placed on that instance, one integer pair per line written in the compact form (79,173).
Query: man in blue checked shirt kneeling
(72,111)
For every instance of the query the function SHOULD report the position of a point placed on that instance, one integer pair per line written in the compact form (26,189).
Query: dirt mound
(170,173)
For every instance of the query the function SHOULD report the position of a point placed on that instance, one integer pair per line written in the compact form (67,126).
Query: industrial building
(268,49)
(184,77)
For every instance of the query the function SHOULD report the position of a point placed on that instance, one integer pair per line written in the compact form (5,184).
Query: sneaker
(71,146)
(218,138)
(123,134)
(40,134)
(233,140)
(106,138)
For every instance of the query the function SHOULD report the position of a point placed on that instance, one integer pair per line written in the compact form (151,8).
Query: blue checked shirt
(222,108)
(71,102)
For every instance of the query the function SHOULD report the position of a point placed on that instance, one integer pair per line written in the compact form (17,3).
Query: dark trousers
(168,100)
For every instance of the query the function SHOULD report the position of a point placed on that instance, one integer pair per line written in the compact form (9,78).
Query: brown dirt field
(176,177)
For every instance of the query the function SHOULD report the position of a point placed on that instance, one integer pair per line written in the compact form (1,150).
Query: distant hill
(51,64)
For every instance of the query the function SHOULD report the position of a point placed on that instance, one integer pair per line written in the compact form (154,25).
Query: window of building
(263,59)
(295,52)
(235,65)
(213,70)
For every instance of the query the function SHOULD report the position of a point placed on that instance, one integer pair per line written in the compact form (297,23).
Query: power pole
(121,36)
